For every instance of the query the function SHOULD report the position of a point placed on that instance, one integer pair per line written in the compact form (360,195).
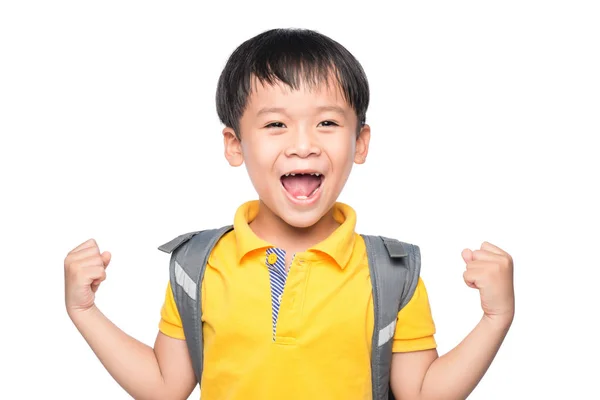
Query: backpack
(394,267)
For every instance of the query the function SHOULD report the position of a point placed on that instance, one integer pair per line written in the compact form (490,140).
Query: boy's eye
(329,123)
(275,125)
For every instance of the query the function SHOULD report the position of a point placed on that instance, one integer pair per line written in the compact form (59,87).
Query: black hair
(291,56)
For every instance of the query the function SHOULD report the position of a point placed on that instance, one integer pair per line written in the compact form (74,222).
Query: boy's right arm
(162,372)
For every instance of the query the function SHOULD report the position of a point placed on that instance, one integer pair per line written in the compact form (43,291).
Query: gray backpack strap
(189,256)
(394,267)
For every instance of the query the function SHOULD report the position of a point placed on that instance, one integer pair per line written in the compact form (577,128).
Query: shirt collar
(339,245)
(246,239)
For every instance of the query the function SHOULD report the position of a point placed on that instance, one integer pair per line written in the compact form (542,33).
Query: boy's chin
(303,219)
(297,215)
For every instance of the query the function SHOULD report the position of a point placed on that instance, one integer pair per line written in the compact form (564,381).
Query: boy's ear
(362,144)
(233,148)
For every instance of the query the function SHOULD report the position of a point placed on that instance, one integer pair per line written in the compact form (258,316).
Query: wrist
(78,315)
(498,322)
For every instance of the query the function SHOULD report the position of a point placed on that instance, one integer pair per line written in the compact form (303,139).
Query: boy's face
(299,148)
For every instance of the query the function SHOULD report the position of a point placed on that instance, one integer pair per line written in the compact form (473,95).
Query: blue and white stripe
(278,277)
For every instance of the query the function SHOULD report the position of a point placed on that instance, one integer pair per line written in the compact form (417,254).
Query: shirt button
(272,259)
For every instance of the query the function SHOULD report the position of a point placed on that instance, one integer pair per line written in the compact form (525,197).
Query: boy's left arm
(422,375)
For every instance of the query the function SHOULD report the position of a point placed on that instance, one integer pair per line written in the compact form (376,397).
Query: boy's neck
(272,229)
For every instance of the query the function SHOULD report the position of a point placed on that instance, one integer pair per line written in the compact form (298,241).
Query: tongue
(301,185)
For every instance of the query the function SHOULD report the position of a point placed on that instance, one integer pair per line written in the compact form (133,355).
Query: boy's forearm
(130,362)
(455,374)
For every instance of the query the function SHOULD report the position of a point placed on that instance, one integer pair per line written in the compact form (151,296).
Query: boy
(286,296)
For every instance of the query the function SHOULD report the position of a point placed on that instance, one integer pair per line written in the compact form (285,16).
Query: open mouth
(302,185)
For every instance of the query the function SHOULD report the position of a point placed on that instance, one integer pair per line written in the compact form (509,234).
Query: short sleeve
(415,328)
(170,321)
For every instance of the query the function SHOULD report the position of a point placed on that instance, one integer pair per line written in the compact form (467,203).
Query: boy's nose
(303,144)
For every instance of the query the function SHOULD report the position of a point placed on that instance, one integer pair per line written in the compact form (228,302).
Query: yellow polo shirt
(310,341)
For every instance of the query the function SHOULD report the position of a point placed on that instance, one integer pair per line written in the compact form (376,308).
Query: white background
(484,118)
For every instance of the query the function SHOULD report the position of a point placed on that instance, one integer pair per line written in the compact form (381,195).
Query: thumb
(106,256)
(467,255)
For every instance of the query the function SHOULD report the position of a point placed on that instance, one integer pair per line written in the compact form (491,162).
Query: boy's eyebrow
(267,110)
(335,109)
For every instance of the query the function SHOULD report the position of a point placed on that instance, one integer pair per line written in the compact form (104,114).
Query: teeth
(314,173)
(306,197)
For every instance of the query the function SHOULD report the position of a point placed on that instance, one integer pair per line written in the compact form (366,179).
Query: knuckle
(92,249)
(70,257)
(77,276)
(75,265)
(498,267)
(70,268)
(70,271)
